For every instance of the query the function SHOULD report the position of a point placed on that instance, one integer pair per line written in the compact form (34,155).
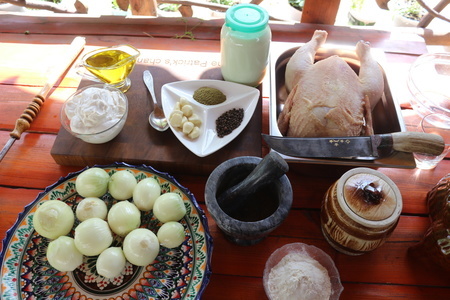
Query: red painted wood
(387,273)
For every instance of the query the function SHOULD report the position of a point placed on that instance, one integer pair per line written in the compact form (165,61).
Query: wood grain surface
(138,142)
(389,272)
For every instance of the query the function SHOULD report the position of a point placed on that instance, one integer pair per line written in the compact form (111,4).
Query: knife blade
(364,147)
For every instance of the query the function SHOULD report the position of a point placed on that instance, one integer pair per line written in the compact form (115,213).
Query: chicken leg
(303,59)
(370,74)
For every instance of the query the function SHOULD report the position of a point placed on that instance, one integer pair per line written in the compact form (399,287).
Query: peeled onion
(145,193)
(63,255)
(53,219)
(123,217)
(122,184)
(111,262)
(91,207)
(93,236)
(171,234)
(92,182)
(169,207)
(141,247)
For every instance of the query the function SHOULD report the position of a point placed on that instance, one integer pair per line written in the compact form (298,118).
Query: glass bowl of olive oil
(111,65)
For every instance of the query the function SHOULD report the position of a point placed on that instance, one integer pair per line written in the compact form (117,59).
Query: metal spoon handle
(148,80)
(156,118)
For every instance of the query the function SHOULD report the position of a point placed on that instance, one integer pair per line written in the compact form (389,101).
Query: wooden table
(388,272)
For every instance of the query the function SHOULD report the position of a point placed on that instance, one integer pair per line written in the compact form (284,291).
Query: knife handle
(419,142)
(23,123)
(28,115)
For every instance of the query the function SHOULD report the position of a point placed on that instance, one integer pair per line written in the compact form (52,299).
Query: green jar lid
(246,18)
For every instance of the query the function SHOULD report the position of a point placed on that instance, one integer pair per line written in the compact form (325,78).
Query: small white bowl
(312,252)
(104,134)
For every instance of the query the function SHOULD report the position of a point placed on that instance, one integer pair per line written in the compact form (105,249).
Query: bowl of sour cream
(95,114)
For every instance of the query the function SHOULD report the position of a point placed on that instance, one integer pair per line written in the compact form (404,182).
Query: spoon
(269,169)
(157,118)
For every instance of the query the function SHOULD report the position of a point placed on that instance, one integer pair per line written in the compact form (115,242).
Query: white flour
(298,276)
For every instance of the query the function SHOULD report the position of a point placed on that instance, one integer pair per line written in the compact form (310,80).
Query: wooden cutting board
(138,143)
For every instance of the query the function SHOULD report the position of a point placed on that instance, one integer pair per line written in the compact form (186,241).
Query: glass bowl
(428,82)
(310,254)
(95,114)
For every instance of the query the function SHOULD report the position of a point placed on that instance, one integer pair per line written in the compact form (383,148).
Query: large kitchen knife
(364,147)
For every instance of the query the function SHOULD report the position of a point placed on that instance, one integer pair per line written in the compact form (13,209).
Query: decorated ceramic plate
(177,273)
(238,96)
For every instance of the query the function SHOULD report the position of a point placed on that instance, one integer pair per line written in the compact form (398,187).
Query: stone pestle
(271,168)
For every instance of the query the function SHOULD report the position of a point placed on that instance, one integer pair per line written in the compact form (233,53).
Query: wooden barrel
(360,211)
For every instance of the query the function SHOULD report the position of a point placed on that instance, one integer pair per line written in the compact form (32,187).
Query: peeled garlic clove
(176,119)
(183,101)
(187,127)
(187,110)
(195,133)
(176,112)
(194,118)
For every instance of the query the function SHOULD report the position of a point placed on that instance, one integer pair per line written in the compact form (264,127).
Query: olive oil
(111,66)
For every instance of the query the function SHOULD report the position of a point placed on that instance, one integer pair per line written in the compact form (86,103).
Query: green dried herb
(209,96)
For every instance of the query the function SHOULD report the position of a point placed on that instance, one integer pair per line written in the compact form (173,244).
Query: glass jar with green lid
(244,44)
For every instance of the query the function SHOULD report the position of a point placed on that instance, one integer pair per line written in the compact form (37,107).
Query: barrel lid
(371,195)
(246,18)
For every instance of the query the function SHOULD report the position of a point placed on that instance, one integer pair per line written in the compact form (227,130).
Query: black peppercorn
(229,121)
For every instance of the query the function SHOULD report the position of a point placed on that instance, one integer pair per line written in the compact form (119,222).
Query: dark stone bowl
(258,214)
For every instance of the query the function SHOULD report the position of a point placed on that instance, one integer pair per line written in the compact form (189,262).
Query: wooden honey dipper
(23,123)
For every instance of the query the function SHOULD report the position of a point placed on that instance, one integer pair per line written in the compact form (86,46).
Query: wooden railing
(314,11)
(433,12)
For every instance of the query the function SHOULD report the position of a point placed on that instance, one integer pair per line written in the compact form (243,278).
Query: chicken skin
(328,98)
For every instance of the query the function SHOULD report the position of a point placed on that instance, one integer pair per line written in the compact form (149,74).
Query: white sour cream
(97,111)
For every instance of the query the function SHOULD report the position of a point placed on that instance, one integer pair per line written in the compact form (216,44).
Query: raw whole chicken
(328,98)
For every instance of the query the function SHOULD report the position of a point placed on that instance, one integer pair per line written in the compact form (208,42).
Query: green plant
(298,4)
(224,2)
(410,9)
(187,33)
(169,7)
(357,4)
